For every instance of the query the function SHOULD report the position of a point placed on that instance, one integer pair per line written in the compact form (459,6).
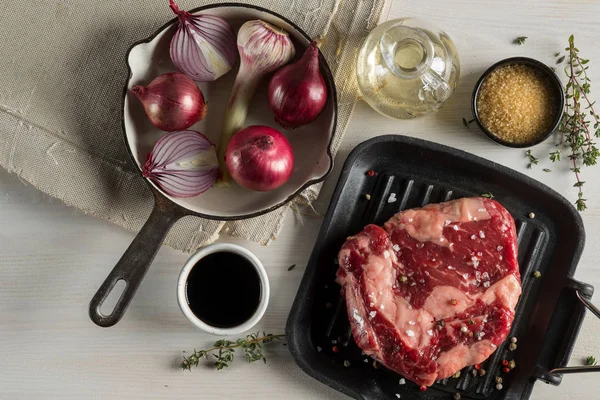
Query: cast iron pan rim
(330,84)
(295,334)
(556,86)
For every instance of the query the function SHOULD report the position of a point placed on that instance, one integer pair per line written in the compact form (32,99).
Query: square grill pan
(548,315)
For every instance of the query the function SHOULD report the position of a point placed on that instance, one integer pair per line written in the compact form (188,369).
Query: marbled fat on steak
(435,289)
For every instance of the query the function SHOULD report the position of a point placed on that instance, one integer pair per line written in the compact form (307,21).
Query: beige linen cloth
(62,72)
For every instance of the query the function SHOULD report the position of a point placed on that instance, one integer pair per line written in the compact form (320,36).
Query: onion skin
(259,158)
(172,101)
(297,92)
(203,46)
(263,49)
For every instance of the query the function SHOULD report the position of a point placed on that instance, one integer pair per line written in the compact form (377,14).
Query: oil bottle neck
(406,51)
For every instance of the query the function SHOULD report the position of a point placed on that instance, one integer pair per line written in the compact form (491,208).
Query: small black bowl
(553,80)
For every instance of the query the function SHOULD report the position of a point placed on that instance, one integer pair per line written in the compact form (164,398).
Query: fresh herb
(488,195)
(291,267)
(577,130)
(590,360)
(557,54)
(547,170)
(532,159)
(223,350)
(520,40)
(467,123)
(560,60)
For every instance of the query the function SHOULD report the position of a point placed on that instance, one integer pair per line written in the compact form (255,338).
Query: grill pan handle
(136,260)
(583,292)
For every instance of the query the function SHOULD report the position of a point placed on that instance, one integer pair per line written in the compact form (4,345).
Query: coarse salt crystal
(372,314)
(430,332)
(433,259)
(319,349)
(442,240)
(402,381)
(410,333)
(396,247)
(450,267)
(413,284)
(473,237)
(481,234)
(500,258)
(455,227)
(486,284)
(479,254)
(411,322)
(392,198)
(420,245)
(451,244)
(492,345)
(397,395)
(463,329)
(474,218)
(382,306)
(386,254)
(485,275)
(466,276)
(447,222)
(409,307)
(371,304)
(366,360)
(499,248)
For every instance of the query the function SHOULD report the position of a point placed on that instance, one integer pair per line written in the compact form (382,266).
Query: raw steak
(435,289)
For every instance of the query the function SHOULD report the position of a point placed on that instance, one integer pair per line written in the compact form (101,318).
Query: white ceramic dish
(264,289)
(311,143)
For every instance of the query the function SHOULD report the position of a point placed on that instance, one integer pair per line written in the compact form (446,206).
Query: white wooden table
(53,258)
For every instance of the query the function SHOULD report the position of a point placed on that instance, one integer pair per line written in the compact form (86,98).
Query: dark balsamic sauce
(223,289)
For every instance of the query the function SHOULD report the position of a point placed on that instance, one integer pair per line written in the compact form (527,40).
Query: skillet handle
(134,263)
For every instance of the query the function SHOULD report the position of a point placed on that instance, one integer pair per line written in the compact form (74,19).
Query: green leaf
(560,60)
(520,40)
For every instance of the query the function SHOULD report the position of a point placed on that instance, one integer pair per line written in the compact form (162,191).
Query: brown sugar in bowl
(518,102)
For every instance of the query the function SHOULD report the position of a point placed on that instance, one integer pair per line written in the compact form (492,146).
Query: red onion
(172,101)
(263,49)
(297,92)
(259,158)
(183,164)
(203,45)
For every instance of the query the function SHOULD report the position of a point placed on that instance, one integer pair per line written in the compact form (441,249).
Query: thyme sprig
(576,132)
(532,159)
(590,360)
(520,40)
(223,350)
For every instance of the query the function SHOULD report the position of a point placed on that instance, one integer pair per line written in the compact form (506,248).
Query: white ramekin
(264,289)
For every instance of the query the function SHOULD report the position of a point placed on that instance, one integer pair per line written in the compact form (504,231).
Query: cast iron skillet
(136,260)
